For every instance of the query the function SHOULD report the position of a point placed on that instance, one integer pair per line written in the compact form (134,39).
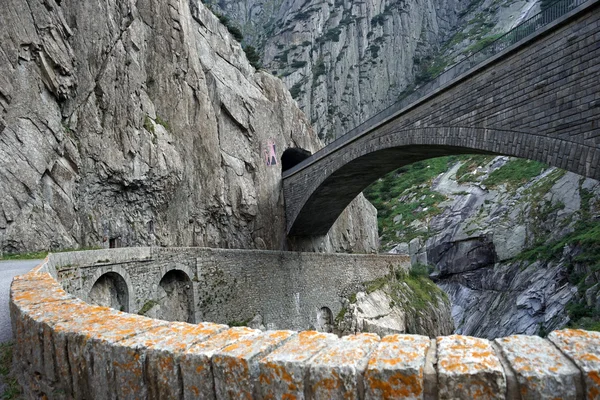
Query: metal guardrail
(515,35)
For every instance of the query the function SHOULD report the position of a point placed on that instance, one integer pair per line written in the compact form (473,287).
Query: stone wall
(67,349)
(287,289)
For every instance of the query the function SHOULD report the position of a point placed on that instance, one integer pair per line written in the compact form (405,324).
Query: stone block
(542,371)
(337,371)
(583,348)
(283,372)
(468,368)
(35,346)
(235,367)
(195,364)
(396,368)
(155,355)
(83,347)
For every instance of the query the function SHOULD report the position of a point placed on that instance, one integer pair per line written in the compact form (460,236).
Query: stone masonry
(287,289)
(537,99)
(67,349)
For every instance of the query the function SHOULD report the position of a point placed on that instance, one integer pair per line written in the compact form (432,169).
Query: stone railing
(67,349)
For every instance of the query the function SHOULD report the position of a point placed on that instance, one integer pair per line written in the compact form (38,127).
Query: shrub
(252,56)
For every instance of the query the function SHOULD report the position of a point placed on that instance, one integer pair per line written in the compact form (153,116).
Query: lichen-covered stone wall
(67,349)
(287,289)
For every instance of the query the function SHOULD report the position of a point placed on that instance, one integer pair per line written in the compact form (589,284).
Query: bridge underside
(537,100)
(339,189)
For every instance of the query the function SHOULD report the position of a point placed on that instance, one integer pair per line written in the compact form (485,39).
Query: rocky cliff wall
(346,60)
(513,243)
(127,123)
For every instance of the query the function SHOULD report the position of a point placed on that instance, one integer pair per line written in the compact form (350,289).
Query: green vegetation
(584,243)
(148,125)
(318,70)
(163,122)
(296,89)
(431,68)
(147,307)
(483,42)
(411,291)
(298,64)
(413,181)
(467,171)
(239,323)
(253,56)
(12,389)
(332,35)
(234,30)
(515,173)
(25,256)
(41,254)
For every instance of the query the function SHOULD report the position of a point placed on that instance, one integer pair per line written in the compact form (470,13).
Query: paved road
(9,269)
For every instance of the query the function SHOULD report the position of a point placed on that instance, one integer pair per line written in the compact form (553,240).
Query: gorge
(154,129)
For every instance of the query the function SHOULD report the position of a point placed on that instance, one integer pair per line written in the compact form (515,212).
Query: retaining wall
(67,349)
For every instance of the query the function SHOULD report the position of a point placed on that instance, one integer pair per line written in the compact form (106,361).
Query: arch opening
(324,320)
(292,157)
(175,297)
(110,290)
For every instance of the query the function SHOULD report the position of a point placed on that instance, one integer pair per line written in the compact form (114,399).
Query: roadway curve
(8,270)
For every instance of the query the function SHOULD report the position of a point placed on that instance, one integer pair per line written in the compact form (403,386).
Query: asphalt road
(9,269)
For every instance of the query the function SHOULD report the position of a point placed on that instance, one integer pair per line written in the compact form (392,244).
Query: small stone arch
(324,320)
(292,157)
(110,290)
(176,297)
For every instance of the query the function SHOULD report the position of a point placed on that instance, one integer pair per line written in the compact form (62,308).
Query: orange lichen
(590,357)
(595,377)
(396,386)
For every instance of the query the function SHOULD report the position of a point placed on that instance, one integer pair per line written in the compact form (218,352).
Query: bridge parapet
(69,349)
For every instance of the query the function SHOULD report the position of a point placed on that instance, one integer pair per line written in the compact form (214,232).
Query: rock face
(512,255)
(397,304)
(346,60)
(127,123)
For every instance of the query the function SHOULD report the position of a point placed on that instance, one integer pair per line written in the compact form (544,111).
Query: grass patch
(38,255)
(25,256)
(414,179)
(12,389)
(515,173)
(375,285)
(466,172)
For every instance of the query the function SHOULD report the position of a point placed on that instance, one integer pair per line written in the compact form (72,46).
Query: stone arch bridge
(536,97)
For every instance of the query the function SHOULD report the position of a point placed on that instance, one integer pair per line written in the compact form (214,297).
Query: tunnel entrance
(110,290)
(176,298)
(292,157)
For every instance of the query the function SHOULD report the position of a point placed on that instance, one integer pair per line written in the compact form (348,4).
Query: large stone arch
(119,280)
(175,296)
(316,195)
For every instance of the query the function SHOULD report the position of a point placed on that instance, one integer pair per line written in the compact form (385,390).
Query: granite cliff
(128,123)
(346,60)
(513,242)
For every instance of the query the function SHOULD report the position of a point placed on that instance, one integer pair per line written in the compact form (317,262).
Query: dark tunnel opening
(292,157)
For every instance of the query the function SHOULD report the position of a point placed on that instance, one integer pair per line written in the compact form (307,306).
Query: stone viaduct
(537,98)
(69,349)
